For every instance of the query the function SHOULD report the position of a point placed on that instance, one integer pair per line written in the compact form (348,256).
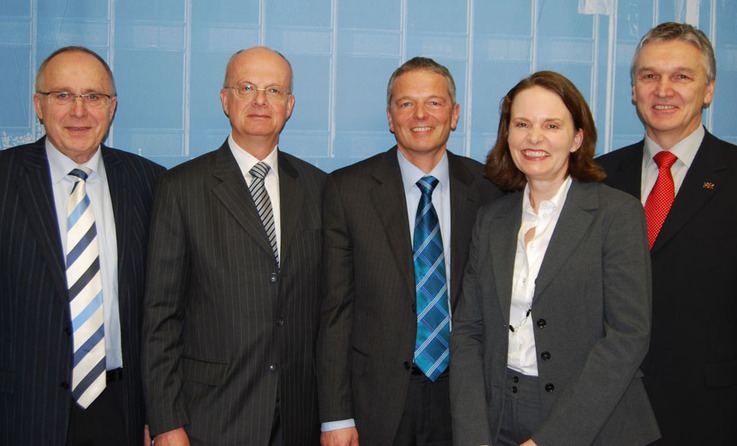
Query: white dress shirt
(685,150)
(246,161)
(521,353)
(102,207)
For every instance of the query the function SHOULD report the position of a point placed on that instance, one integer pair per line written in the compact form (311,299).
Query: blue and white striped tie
(85,294)
(263,203)
(433,316)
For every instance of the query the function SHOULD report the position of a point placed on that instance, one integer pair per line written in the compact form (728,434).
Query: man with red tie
(687,181)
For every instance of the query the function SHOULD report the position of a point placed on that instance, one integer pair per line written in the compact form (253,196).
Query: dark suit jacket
(369,320)
(225,331)
(590,314)
(35,327)
(691,368)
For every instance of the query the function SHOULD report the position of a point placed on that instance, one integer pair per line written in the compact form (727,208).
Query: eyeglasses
(67,98)
(244,90)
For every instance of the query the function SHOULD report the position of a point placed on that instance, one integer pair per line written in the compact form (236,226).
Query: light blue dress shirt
(102,207)
(411,174)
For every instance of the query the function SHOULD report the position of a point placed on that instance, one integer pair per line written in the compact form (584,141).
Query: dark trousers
(523,410)
(426,417)
(104,421)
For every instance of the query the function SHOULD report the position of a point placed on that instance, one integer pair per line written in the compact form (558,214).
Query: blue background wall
(169,58)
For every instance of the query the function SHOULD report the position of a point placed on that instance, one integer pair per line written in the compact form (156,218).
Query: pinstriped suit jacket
(225,331)
(369,319)
(35,341)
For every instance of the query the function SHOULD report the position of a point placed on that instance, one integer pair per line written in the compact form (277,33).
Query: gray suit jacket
(226,332)
(369,319)
(591,315)
(35,326)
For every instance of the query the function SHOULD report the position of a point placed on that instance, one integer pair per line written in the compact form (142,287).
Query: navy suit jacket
(691,368)
(36,346)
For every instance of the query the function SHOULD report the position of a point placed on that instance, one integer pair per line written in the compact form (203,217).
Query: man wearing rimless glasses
(232,299)
(74,231)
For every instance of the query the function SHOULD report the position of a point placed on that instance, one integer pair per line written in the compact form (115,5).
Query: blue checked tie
(433,317)
(85,294)
(263,203)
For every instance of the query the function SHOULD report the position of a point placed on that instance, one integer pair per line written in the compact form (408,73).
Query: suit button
(274,368)
(273,277)
(545,356)
(414,308)
(68,331)
(515,379)
(541,323)
(549,387)
(64,385)
(280,322)
(407,365)
(514,389)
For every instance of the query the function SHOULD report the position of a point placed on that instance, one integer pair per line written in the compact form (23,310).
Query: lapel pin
(708,185)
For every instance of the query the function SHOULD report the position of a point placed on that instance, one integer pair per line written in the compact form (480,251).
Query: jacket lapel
(292,197)
(463,206)
(34,182)
(573,223)
(629,172)
(391,206)
(705,176)
(233,193)
(117,184)
(503,247)
(124,212)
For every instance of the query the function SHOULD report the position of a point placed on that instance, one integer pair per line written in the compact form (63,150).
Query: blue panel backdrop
(169,60)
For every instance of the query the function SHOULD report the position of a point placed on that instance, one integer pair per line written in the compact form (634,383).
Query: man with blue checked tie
(397,228)
(74,231)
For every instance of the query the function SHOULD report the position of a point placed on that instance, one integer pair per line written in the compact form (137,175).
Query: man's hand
(146,436)
(339,437)
(176,437)
(529,443)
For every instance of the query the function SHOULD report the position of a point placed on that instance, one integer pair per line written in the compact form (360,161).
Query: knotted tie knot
(260,170)
(427,184)
(81,173)
(664,159)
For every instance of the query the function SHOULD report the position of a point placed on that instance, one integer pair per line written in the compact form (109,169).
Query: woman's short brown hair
(581,166)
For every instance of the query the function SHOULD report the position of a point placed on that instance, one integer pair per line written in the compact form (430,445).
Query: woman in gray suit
(554,319)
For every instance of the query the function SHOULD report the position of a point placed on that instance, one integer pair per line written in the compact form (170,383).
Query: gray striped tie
(85,294)
(263,203)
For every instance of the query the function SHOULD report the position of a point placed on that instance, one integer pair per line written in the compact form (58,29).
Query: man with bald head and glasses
(233,292)
(74,231)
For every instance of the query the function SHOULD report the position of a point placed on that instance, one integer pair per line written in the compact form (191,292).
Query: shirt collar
(547,207)
(60,165)
(246,161)
(685,149)
(411,174)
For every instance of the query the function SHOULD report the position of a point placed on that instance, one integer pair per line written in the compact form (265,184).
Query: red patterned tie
(661,197)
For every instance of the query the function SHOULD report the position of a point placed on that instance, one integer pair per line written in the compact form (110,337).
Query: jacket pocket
(721,374)
(204,372)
